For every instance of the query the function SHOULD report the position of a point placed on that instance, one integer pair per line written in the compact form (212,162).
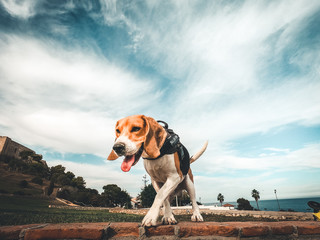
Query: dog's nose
(119,148)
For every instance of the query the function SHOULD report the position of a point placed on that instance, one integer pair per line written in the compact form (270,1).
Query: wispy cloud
(278,150)
(222,63)
(21,9)
(213,70)
(97,176)
(65,97)
(304,158)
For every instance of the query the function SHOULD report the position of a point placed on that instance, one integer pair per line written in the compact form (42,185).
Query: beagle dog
(140,136)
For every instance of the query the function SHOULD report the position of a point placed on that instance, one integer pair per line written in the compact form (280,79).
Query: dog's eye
(117,130)
(135,129)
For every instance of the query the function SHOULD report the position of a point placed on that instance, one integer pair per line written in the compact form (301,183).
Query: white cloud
(222,86)
(278,150)
(219,175)
(220,61)
(208,187)
(221,47)
(22,9)
(66,100)
(97,176)
(227,92)
(302,159)
(63,130)
(256,112)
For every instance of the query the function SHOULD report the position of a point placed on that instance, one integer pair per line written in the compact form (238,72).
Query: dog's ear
(156,135)
(112,156)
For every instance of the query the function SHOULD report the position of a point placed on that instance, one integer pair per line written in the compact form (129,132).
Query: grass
(222,218)
(18,210)
(9,182)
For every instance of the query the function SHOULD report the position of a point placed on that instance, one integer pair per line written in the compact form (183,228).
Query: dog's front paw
(169,220)
(196,217)
(150,220)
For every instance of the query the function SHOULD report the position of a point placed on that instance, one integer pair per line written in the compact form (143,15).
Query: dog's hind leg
(168,217)
(196,216)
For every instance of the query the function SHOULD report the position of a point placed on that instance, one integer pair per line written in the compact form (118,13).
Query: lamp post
(144,180)
(275,192)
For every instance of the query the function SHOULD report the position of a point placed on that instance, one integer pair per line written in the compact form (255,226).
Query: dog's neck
(144,154)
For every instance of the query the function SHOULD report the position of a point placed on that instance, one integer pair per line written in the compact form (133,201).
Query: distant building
(228,205)
(11,148)
(136,203)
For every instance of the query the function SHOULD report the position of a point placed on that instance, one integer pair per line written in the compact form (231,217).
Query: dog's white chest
(160,169)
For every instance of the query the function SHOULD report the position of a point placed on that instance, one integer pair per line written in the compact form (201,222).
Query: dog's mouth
(131,160)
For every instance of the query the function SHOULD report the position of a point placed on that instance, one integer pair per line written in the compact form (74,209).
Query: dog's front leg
(168,217)
(164,192)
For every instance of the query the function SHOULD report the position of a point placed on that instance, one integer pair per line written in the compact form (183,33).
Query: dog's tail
(198,154)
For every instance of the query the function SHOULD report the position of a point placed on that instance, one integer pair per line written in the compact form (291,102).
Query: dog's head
(136,135)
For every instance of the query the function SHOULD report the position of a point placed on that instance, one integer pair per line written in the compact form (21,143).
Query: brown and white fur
(139,135)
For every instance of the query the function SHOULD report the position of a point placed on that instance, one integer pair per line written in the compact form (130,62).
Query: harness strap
(171,145)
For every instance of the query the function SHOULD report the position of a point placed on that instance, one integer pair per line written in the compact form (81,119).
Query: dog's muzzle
(119,148)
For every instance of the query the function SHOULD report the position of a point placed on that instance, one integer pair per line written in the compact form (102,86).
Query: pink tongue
(127,163)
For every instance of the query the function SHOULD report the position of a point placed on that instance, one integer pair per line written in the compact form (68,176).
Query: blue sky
(244,75)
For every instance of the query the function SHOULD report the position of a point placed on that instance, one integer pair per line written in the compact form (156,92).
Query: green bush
(36,169)
(21,193)
(3,191)
(65,194)
(147,196)
(244,204)
(37,180)
(23,184)
(25,154)
(36,157)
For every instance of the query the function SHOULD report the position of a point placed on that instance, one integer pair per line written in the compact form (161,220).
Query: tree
(147,196)
(63,180)
(64,193)
(70,175)
(125,199)
(25,154)
(114,196)
(244,204)
(36,157)
(51,187)
(182,197)
(256,195)
(110,193)
(185,198)
(17,165)
(37,169)
(57,169)
(220,198)
(23,184)
(79,182)
(37,180)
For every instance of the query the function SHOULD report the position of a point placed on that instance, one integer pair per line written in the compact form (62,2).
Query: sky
(244,75)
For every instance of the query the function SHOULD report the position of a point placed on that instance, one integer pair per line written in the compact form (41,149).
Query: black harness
(171,145)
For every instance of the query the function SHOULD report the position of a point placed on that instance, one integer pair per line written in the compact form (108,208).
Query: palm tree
(256,195)
(220,198)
